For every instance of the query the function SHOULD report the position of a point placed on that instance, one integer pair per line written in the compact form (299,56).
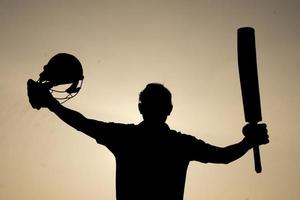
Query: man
(151,159)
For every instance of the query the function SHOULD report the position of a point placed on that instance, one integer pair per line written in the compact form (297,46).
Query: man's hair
(154,91)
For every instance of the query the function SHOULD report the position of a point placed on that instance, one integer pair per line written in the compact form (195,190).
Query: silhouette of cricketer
(151,159)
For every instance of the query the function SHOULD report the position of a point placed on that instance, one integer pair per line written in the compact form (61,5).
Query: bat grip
(257,162)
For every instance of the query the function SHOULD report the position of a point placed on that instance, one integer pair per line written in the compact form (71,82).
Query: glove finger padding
(38,95)
(256,134)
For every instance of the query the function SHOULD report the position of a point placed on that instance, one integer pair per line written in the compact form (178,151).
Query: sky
(190,47)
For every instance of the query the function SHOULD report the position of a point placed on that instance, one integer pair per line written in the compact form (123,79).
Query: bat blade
(248,74)
(249,82)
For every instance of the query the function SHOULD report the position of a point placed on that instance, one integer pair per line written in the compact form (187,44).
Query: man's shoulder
(110,133)
(179,134)
(186,137)
(118,125)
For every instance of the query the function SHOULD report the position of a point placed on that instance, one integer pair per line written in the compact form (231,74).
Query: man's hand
(256,134)
(39,96)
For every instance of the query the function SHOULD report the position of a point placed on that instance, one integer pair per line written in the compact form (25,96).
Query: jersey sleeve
(196,149)
(107,133)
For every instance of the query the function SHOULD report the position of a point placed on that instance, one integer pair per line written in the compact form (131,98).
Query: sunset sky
(190,47)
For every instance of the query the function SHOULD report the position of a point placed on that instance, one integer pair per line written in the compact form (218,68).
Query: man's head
(155,103)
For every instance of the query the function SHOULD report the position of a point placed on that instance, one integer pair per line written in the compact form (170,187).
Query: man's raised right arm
(73,118)
(40,96)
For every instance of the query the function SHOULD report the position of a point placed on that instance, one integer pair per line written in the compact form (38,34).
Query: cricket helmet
(63,69)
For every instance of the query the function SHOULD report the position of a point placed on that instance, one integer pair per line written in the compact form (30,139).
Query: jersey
(151,162)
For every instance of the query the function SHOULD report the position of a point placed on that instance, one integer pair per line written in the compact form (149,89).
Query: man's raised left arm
(254,135)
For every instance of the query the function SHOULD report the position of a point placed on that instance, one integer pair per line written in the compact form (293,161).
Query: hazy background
(190,46)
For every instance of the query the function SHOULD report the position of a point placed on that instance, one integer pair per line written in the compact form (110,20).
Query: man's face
(155,103)
(155,110)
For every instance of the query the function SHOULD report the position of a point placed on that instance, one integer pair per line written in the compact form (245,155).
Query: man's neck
(154,125)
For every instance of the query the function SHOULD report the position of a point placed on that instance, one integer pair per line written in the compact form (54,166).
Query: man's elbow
(220,160)
(227,161)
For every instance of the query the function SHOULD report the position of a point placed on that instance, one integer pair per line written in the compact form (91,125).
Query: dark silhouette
(249,82)
(62,69)
(151,159)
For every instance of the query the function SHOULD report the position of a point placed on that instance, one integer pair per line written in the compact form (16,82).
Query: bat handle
(257,162)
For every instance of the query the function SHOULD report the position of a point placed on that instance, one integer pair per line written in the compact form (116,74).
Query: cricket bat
(247,65)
